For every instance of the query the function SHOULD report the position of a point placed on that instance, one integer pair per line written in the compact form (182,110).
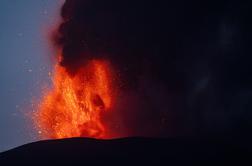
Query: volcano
(177,71)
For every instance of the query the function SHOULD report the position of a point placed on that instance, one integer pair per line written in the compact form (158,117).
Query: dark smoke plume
(185,66)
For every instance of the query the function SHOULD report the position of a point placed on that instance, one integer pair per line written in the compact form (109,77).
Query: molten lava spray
(74,106)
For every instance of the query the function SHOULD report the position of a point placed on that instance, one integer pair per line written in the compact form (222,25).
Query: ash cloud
(185,66)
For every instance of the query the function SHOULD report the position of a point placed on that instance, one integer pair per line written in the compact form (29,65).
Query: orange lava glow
(75,104)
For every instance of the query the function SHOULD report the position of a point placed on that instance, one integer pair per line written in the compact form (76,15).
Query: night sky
(25,52)
(184,66)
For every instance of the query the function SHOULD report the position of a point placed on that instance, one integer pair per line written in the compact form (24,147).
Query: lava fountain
(76,103)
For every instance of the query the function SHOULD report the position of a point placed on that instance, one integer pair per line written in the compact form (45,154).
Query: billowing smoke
(184,66)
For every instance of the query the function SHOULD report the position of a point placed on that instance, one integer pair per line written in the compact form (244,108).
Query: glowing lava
(74,107)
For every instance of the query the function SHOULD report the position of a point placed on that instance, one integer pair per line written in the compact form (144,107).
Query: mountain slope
(86,151)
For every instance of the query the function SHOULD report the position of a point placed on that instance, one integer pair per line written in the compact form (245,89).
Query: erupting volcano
(73,108)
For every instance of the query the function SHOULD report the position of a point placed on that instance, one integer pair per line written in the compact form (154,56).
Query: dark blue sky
(24,65)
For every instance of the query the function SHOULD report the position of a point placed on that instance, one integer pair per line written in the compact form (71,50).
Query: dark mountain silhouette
(145,151)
